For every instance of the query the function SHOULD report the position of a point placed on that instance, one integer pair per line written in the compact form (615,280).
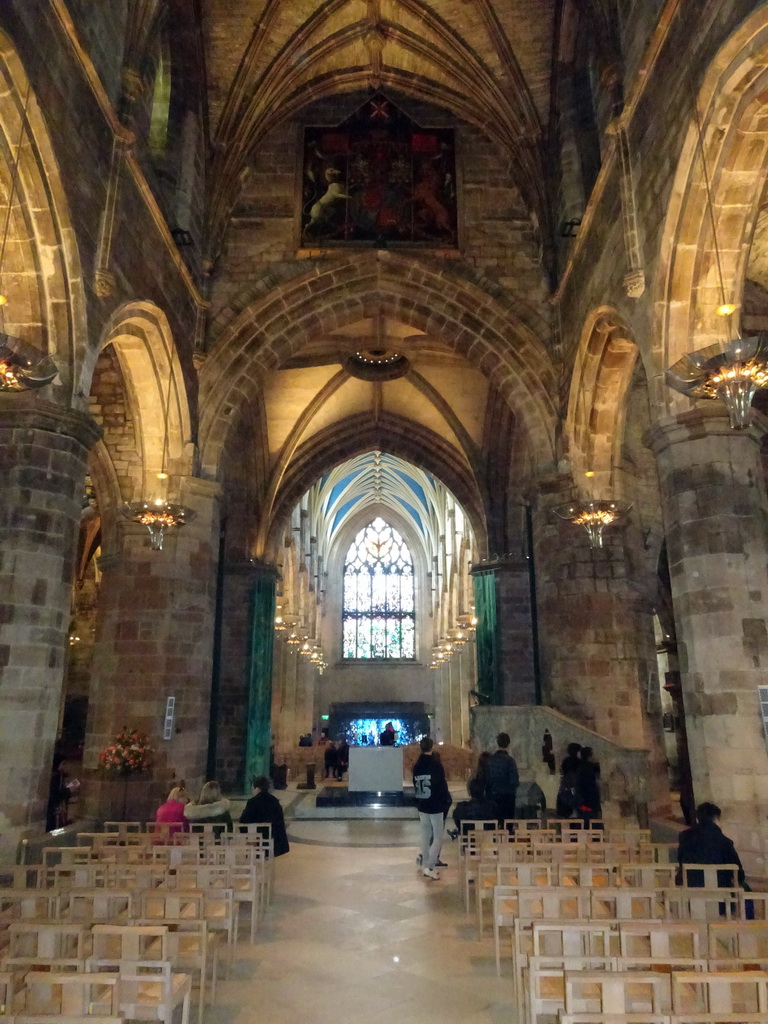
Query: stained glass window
(378,618)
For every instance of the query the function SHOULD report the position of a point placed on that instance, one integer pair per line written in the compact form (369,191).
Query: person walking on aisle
(432,797)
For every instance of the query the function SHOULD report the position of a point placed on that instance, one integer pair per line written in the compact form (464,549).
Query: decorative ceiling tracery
(486,61)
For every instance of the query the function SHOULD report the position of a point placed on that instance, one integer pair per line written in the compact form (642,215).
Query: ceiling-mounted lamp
(734,370)
(593,515)
(159,514)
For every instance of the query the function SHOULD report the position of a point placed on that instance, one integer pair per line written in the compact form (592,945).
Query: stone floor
(357,934)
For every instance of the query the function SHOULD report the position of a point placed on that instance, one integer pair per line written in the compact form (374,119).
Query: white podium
(375,770)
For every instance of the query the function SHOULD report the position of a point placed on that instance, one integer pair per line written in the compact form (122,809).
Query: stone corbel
(104,281)
(634,279)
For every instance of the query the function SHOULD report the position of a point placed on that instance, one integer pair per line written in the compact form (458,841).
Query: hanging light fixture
(293,639)
(279,623)
(457,637)
(22,368)
(159,514)
(735,369)
(468,622)
(732,372)
(593,515)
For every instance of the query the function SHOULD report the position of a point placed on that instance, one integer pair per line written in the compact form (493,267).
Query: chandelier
(593,515)
(158,516)
(732,372)
(18,373)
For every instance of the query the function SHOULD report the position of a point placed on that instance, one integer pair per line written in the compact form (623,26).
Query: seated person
(172,811)
(706,844)
(211,809)
(264,808)
(477,808)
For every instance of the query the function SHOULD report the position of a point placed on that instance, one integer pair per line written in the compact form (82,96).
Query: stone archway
(41,273)
(597,402)
(731,103)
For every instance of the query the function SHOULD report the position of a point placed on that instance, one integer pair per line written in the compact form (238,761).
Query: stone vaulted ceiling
(486,61)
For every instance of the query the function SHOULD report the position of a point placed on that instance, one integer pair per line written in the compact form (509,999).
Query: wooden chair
(646,876)
(719,996)
(158,906)
(710,876)
(78,994)
(124,828)
(663,940)
(94,905)
(733,944)
(619,992)
(154,994)
(544,983)
(702,904)
(627,904)
(25,905)
(193,949)
(46,946)
(115,945)
(473,837)
(628,835)
(600,876)
(11,989)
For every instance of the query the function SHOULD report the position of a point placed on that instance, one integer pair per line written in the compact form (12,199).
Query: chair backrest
(711,876)
(663,940)
(743,993)
(116,944)
(124,827)
(170,905)
(575,938)
(619,992)
(41,942)
(738,940)
(75,994)
(627,904)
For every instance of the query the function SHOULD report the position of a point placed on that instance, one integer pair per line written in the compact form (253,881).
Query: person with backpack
(503,779)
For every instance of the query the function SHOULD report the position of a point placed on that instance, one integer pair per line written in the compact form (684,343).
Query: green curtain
(259,732)
(487,637)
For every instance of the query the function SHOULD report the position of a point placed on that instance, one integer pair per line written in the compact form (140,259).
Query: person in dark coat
(503,779)
(589,805)
(706,844)
(566,794)
(477,808)
(265,809)
(342,759)
(330,758)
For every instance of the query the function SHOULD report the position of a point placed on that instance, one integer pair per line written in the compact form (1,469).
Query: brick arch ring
(392,434)
(467,319)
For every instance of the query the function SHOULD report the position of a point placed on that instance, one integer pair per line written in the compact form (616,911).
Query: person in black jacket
(503,779)
(589,804)
(264,808)
(706,844)
(477,808)
(432,798)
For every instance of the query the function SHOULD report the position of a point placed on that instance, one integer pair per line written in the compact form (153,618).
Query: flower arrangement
(129,753)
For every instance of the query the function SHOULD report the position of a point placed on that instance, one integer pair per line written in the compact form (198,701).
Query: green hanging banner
(259,731)
(486,637)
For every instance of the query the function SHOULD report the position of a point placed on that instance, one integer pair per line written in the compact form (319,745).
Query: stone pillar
(515,634)
(598,651)
(43,455)
(716,522)
(154,640)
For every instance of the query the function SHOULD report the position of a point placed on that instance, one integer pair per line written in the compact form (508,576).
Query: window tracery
(378,617)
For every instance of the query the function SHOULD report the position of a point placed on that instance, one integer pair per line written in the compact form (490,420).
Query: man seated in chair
(706,844)
(264,808)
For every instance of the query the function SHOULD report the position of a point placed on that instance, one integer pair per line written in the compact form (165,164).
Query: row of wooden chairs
(596,996)
(138,991)
(186,945)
